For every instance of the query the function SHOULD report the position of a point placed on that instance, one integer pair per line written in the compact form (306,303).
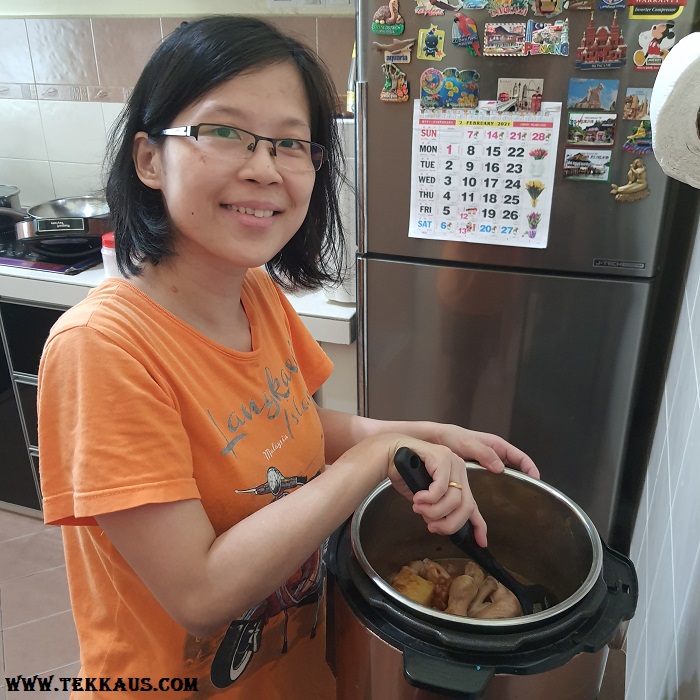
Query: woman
(176,413)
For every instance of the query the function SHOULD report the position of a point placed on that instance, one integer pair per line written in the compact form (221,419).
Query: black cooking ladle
(532,598)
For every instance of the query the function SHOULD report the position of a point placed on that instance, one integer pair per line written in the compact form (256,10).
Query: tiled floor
(37,634)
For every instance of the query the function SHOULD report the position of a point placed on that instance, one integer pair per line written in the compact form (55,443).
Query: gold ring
(455,484)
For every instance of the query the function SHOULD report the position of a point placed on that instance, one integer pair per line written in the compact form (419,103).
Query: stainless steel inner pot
(534,530)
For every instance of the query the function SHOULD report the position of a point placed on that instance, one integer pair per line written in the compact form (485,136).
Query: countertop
(328,321)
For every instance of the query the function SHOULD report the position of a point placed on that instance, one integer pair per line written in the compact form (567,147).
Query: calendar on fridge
(483,177)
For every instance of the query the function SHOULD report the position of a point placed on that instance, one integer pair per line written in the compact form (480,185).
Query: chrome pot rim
(561,608)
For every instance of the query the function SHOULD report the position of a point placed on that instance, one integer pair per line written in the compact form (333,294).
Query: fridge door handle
(361,163)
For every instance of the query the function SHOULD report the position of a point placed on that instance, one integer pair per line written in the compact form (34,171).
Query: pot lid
(8,190)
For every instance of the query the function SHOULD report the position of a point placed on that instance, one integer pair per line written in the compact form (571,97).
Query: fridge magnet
(429,8)
(449,88)
(430,44)
(399,51)
(602,47)
(498,8)
(636,187)
(581,5)
(472,5)
(464,33)
(639,141)
(655,43)
(612,4)
(387,19)
(637,103)
(395,84)
(587,165)
(655,9)
(591,129)
(546,8)
(504,39)
(585,93)
(542,38)
(520,94)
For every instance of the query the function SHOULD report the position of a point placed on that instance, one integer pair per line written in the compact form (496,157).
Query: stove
(62,255)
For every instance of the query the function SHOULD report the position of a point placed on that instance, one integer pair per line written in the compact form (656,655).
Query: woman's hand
(449,502)
(490,451)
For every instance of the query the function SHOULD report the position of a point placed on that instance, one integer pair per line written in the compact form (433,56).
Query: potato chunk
(415,587)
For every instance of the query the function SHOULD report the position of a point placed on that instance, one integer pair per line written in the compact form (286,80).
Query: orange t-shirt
(137,407)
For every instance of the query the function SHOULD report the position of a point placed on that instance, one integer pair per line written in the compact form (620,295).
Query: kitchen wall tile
(635,676)
(23,134)
(110,114)
(685,514)
(692,286)
(658,524)
(682,407)
(28,555)
(301,28)
(62,51)
(336,36)
(169,24)
(660,620)
(680,346)
(688,642)
(75,131)
(15,57)
(77,179)
(122,47)
(33,597)
(33,177)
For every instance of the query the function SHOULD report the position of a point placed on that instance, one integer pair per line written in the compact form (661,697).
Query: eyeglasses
(224,141)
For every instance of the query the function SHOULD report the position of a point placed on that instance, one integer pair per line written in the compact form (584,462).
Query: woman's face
(229,212)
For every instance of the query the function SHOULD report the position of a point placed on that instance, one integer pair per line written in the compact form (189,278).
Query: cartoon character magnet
(601,47)
(395,84)
(464,33)
(655,43)
(430,44)
(387,19)
(542,38)
(639,141)
(546,8)
(399,51)
(636,187)
(449,88)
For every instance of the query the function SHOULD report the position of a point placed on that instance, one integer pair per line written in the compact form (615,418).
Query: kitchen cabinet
(24,328)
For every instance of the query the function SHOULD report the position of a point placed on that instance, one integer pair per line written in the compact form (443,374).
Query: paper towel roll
(675,112)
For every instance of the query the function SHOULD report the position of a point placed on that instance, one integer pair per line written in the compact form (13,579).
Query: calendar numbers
(473,171)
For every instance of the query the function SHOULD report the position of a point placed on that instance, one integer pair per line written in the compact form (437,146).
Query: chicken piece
(415,587)
(417,567)
(436,574)
(475,571)
(494,601)
(462,591)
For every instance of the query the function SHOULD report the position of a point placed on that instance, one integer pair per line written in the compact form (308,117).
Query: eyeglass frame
(193,131)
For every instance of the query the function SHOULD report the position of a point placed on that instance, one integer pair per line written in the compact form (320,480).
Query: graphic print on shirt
(285,401)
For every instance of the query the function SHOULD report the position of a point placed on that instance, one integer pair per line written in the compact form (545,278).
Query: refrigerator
(560,349)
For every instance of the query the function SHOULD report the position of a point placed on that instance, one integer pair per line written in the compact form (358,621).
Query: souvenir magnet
(587,165)
(497,8)
(637,103)
(546,8)
(655,43)
(636,187)
(399,51)
(449,88)
(581,5)
(520,94)
(504,39)
(464,33)
(472,5)
(387,19)
(429,8)
(430,43)
(585,93)
(395,84)
(591,129)
(552,39)
(639,141)
(612,4)
(601,47)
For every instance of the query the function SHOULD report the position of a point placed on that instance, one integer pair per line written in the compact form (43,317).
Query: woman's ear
(147,161)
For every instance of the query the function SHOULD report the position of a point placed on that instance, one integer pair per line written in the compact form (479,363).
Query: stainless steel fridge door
(547,362)
(589,232)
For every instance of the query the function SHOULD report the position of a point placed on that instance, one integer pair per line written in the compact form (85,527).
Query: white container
(109,256)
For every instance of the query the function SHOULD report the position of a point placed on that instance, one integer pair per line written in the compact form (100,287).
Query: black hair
(193,60)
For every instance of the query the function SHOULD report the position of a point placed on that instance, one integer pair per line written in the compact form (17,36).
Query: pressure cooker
(383,645)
